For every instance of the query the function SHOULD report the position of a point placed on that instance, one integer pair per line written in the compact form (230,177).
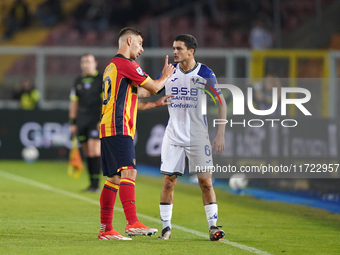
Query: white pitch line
(95,202)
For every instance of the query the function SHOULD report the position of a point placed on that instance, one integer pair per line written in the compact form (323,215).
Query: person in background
(84,115)
(260,36)
(18,18)
(263,93)
(91,16)
(27,94)
(49,12)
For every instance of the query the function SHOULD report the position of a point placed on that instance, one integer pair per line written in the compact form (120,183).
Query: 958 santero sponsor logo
(186,94)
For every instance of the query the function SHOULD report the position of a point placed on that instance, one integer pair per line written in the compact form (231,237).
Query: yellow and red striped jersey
(120,97)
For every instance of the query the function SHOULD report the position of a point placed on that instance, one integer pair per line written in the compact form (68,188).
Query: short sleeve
(73,94)
(211,80)
(135,73)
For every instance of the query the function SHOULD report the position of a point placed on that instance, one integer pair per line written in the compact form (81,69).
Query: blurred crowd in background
(223,23)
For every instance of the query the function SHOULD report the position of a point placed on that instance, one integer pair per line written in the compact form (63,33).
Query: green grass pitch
(43,211)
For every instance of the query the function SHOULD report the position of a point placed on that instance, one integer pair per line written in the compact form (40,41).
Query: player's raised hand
(168,69)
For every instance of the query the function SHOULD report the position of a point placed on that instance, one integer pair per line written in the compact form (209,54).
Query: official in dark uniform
(84,113)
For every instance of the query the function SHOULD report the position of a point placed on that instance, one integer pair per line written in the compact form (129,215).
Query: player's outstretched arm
(143,93)
(142,106)
(219,142)
(154,86)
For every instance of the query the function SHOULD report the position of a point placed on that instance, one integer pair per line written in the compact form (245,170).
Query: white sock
(166,215)
(211,212)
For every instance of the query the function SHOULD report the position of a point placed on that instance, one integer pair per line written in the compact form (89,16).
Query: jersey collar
(93,75)
(122,56)
(186,72)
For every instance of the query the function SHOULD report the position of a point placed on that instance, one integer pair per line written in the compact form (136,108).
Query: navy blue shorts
(117,153)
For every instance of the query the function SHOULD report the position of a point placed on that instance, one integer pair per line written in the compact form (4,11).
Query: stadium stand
(226,24)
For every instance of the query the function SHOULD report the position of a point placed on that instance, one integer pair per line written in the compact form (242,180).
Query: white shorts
(173,158)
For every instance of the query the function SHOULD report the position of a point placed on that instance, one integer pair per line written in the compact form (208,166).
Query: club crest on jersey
(196,80)
(212,92)
(79,86)
(139,70)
